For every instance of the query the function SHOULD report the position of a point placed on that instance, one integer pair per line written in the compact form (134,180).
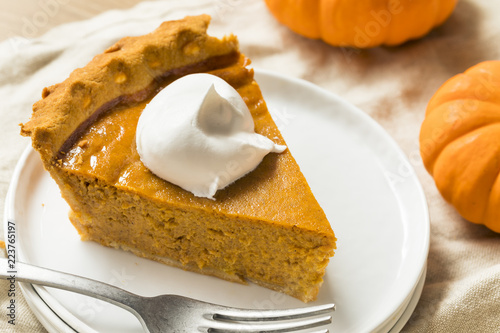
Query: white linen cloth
(393,85)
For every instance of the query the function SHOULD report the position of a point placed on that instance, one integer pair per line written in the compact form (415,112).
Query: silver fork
(173,313)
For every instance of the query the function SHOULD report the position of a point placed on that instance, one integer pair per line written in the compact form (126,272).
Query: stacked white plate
(360,177)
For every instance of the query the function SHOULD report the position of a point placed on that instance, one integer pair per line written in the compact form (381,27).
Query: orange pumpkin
(460,143)
(362,23)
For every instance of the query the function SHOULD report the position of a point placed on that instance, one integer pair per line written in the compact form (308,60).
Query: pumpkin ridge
(435,19)
(467,183)
(430,156)
(490,194)
(424,30)
(436,106)
(471,132)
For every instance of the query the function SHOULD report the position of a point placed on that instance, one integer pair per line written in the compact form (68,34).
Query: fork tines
(258,321)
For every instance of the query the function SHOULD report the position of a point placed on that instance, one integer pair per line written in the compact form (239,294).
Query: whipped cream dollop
(198,133)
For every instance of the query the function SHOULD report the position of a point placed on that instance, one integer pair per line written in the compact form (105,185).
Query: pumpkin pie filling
(266,227)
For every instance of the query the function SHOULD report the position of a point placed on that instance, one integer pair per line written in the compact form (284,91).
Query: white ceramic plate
(359,175)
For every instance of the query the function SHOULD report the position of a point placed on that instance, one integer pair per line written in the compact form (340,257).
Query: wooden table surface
(32,18)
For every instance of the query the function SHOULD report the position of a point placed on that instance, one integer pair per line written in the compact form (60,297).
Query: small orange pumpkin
(460,143)
(361,23)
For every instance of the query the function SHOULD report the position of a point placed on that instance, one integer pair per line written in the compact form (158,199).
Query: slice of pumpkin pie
(263,226)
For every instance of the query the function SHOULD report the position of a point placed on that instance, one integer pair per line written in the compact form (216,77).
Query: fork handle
(46,277)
